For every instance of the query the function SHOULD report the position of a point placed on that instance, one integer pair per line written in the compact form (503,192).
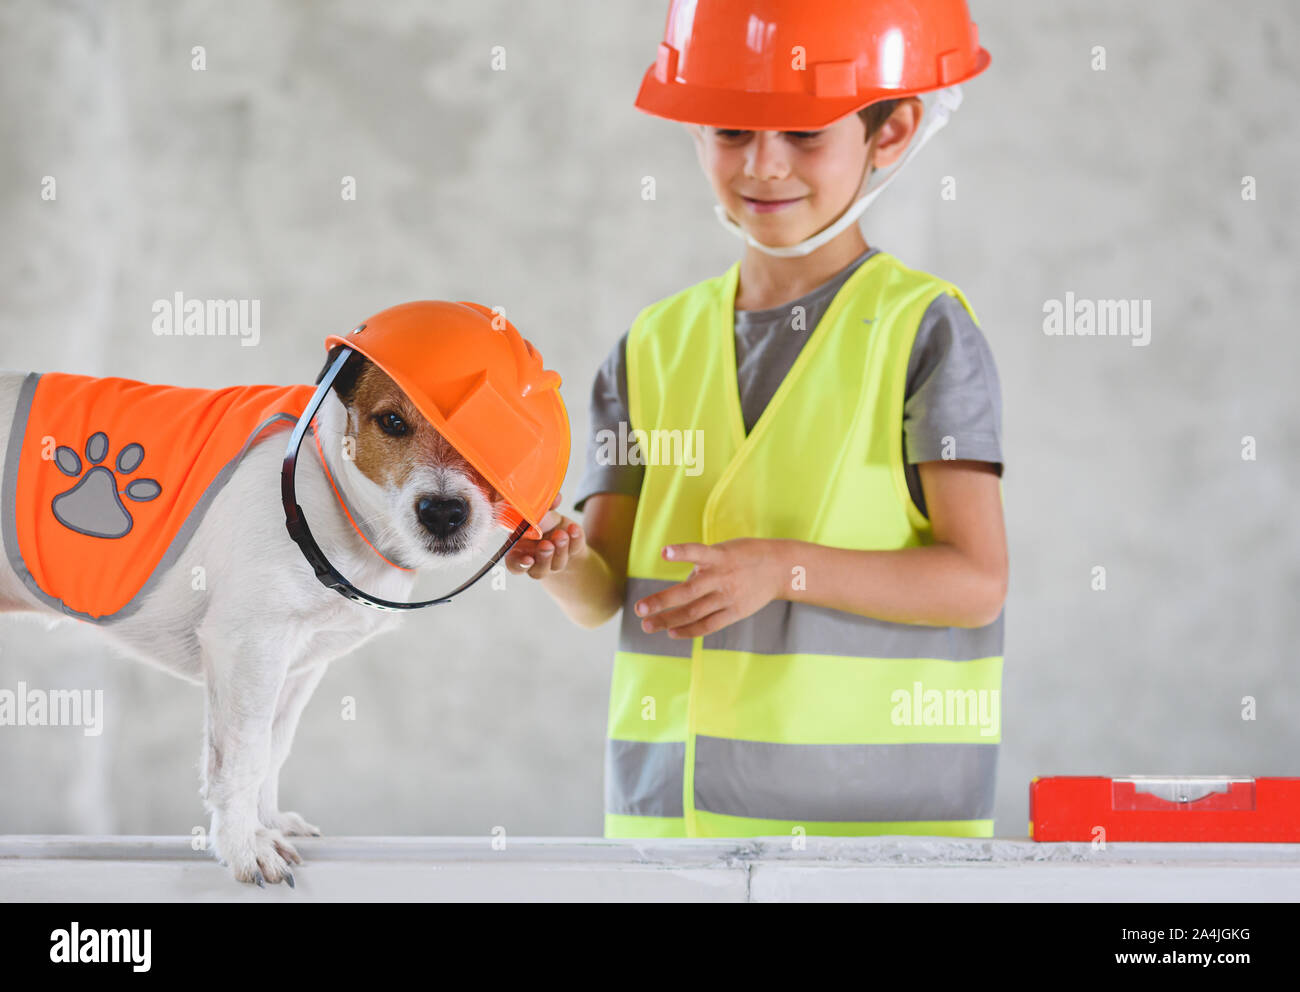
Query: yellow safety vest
(799,718)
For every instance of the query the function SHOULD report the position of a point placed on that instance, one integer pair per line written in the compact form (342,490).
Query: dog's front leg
(243,688)
(298,687)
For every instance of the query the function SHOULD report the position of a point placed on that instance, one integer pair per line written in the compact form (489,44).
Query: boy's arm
(960,580)
(589,588)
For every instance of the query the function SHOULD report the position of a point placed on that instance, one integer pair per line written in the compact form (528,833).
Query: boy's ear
(896,133)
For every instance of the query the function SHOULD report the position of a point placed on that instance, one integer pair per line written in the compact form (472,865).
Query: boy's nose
(767,158)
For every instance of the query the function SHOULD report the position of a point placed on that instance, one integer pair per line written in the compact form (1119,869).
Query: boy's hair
(875,114)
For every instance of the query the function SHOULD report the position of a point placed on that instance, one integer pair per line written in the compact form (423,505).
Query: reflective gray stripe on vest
(644,779)
(630,635)
(783,627)
(845,782)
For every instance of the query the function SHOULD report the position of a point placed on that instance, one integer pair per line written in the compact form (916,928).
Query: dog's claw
(261,884)
(288,877)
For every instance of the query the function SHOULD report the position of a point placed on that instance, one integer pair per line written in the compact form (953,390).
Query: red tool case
(1165,808)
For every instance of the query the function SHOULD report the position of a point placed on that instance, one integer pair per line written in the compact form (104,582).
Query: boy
(812,625)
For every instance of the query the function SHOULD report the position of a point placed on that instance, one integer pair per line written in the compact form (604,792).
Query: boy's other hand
(561,540)
(731,580)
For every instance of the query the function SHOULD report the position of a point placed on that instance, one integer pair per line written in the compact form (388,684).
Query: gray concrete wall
(522,189)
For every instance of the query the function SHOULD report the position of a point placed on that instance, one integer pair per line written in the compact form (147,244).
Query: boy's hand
(732,579)
(561,539)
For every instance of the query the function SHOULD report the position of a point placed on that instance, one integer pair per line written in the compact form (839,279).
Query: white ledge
(60,868)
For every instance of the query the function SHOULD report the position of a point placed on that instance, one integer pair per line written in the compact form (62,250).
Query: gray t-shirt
(952,386)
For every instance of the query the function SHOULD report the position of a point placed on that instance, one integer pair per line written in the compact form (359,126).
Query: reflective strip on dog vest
(106,480)
(799,717)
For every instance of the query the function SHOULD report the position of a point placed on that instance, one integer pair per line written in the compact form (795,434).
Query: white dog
(261,633)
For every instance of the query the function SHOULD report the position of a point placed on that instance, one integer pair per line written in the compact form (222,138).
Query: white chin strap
(946,102)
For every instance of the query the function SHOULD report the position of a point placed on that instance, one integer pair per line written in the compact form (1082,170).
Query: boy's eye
(729,133)
(802,135)
(391,423)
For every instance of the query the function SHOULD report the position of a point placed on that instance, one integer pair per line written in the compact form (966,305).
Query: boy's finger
(541,562)
(667,599)
(697,609)
(576,538)
(563,548)
(561,557)
(551,518)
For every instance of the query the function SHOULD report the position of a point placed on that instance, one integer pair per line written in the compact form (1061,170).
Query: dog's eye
(391,423)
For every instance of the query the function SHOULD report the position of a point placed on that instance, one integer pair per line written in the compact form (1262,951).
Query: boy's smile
(762,206)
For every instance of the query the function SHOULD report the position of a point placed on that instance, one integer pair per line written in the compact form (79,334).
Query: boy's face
(783,186)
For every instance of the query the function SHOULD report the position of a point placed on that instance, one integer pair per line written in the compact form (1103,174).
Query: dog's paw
(290,824)
(261,856)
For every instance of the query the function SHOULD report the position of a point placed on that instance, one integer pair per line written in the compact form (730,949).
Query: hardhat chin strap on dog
(296,521)
(946,102)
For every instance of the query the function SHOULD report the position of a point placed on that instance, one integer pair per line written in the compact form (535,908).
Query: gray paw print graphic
(92,506)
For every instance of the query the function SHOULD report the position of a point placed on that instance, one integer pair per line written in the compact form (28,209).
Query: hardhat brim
(755,111)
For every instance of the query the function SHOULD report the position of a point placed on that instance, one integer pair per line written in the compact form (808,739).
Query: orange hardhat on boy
(800,65)
(482,386)
(790,65)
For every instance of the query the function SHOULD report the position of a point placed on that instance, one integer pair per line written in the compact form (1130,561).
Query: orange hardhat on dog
(795,65)
(482,386)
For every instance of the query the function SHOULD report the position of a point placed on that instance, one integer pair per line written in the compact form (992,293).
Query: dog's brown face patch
(393,438)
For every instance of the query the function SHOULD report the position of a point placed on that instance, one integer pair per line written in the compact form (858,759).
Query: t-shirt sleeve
(952,389)
(608,409)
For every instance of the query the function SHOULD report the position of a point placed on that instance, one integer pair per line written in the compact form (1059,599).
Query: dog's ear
(346,381)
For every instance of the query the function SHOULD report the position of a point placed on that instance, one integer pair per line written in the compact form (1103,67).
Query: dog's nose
(442,516)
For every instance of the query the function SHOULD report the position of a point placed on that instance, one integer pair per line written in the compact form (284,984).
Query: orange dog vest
(106,479)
